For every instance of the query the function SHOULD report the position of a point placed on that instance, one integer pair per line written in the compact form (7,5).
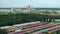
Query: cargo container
(5,27)
(19,32)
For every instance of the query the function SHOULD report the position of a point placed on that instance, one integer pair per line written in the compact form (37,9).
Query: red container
(33,25)
(11,33)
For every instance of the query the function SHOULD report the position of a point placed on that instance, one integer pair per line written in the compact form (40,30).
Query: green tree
(3,32)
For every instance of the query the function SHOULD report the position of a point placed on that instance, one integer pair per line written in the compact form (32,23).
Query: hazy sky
(33,3)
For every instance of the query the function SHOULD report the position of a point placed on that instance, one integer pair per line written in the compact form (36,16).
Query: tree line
(19,18)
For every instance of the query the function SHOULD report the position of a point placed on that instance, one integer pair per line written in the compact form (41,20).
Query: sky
(33,3)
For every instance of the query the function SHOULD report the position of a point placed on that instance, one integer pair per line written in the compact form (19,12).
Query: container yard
(33,28)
